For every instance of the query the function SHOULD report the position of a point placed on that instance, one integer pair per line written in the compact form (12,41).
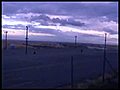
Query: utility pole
(75,40)
(103,79)
(72,84)
(6,39)
(27,35)
(26,39)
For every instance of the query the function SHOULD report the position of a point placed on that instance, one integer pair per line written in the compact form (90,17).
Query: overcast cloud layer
(61,21)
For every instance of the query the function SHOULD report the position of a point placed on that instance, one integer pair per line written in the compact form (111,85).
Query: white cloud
(28,14)
(59,16)
(111,25)
(15,32)
(35,23)
(40,34)
(5,16)
(114,36)
(70,29)
(13,22)
(13,17)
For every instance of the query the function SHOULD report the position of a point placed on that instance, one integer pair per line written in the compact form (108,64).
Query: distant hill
(56,44)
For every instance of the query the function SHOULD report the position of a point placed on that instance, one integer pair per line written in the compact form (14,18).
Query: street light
(6,39)
(26,39)
(103,78)
(26,49)
(75,40)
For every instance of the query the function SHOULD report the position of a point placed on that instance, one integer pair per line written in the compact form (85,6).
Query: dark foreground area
(51,67)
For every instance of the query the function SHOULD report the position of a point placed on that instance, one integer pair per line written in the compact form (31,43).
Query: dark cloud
(92,10)
(39,7)
(44,23)
(110,31)
(9,8)
(44,19)
(88,35)
(7,26)
(87,10)
(75,9)
(67,22)
(41,17)
(75,23)
(17,27)
(56,20)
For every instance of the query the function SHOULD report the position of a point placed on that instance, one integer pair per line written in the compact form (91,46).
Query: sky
(61,21)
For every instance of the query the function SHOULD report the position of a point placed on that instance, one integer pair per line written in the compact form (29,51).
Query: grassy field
(51,67)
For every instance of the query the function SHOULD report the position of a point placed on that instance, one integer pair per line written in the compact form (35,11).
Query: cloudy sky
(61,21)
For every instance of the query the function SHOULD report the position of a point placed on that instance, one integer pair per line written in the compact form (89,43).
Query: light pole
(103,78)
(26,49)
(26,39)
(72,78)
(6,39)
(75,40)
